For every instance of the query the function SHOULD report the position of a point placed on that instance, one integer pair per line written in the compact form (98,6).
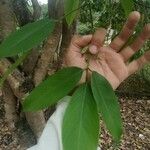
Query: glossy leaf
(53,89)
(128,6)
(71,9)
(81,121)
(26,38)
(107,104)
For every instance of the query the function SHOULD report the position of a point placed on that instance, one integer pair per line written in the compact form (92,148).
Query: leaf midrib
(66,81)
(80,124)
(105,105)
(74,74)
(29,33)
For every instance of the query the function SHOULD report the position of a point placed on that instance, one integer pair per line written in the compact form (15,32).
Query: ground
(136,120)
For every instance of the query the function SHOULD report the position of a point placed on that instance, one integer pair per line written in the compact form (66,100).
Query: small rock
(141,136)
(7,139)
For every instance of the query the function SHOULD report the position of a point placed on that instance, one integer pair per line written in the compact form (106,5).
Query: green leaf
(128,6)
(107,104)
(26,38)
(53,89)
(71,9)
(81,121)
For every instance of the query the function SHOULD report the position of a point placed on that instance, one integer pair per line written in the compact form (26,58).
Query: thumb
(97,40)
(81,41)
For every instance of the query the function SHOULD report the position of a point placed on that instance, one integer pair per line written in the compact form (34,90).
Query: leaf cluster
(80,128)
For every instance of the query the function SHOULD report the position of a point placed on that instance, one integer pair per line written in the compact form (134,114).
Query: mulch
(136,122)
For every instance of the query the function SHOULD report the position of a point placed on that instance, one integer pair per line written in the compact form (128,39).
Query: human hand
(109,61)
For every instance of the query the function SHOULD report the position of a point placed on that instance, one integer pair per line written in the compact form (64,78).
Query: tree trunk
(36,120)
(7,23)
(50,47)
(38,64)
(22,12)
(36,9)
(67,33)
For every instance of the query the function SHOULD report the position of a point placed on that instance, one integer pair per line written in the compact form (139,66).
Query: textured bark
(30,62)
(36,120)
(51,44)
(53,7)
(16,80)
(45,63)
(36,9)
(24,16)
(22,12)
(7,25)
(10,106)
(7,19)
(47,56)
(67,33)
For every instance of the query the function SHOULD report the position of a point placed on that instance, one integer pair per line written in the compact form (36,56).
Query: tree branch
(9,105)
(47,56)
(16,81)
(36,9)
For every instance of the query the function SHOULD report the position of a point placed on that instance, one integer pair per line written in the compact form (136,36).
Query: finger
(126,32)
(139,63)
(81,41)
(137,44)
(97,40)
(73,56)
(144,36)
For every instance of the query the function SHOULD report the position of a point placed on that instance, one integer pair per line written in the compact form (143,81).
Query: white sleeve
(51,136)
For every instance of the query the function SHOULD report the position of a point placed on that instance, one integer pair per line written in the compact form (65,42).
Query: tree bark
(51,44)
(47,56)
(67,33)
(36,9)
(22,12)
(7,19)
(24,16)
(10,106)
(36,120)
(15,82)
(7,25)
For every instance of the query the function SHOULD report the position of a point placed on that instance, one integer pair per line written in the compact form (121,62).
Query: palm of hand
(107,63)
(111,65)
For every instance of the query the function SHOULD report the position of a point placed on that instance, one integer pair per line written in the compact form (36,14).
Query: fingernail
(93,49)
